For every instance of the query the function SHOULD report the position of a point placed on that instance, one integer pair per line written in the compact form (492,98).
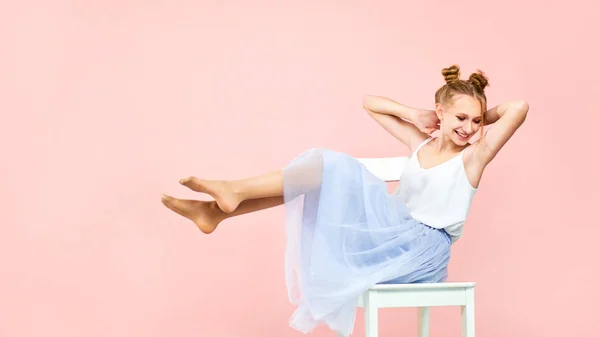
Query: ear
(439,111)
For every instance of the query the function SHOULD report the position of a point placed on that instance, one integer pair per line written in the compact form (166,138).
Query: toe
(187,181)
(169,202)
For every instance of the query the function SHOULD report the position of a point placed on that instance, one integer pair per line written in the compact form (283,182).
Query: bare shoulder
(507,118)
(416,139)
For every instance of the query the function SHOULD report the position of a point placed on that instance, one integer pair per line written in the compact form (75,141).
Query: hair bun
(479,80)
(451,73)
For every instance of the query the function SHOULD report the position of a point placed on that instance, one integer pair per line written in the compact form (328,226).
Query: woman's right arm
(401,121)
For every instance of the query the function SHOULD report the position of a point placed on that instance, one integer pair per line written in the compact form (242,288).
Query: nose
(468,128)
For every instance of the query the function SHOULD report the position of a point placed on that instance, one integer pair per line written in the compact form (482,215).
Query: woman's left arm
(507,118)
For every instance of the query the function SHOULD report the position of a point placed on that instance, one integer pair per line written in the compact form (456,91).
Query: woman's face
(461,119)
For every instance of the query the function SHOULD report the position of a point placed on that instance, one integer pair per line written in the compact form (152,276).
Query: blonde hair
(473,87)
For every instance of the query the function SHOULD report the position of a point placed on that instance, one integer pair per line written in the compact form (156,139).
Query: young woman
(345,232)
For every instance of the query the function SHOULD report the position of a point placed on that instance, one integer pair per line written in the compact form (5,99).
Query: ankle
(216,212)
(237,189)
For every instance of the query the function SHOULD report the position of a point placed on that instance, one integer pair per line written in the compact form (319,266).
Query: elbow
(520,108)
(523,106)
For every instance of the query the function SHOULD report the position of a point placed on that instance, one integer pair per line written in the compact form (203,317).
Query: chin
(460,140)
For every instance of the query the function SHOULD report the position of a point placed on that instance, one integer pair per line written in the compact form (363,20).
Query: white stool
(422,295)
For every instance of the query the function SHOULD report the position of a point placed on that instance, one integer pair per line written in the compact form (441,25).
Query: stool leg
(371,314)
(423,321)
(468,314)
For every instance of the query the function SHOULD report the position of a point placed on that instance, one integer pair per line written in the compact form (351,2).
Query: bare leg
(207,215)
(302,175)
(229,194)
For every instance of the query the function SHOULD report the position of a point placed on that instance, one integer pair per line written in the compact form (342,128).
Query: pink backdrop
(106,104)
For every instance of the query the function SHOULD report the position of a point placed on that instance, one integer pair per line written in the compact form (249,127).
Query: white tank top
(440,196)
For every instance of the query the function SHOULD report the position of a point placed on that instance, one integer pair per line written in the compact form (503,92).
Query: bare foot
(221,190)
(205,214)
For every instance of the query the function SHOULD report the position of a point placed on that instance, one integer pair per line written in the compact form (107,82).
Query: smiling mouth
(461,135)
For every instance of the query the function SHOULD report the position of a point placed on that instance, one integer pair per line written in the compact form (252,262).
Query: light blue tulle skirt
(346,233)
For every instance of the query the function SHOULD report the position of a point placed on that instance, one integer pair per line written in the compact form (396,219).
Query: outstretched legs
(236,197)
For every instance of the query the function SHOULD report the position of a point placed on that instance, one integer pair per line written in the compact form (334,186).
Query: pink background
(106,104)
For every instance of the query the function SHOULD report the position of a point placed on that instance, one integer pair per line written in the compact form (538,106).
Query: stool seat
(417,286)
